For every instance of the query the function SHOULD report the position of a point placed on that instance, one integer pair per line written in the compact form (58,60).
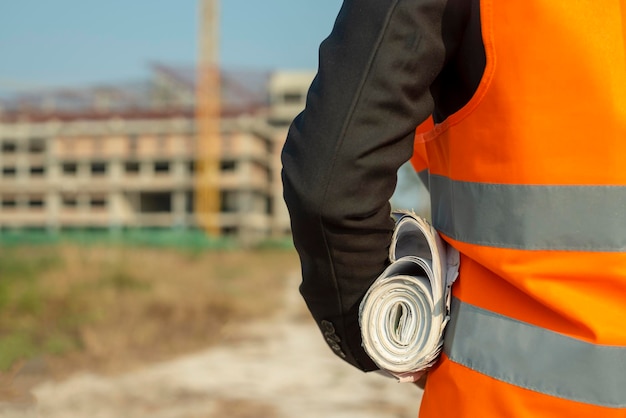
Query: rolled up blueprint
(404,313)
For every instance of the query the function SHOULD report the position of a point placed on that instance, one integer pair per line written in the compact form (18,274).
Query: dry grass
(113,308)
(243,408)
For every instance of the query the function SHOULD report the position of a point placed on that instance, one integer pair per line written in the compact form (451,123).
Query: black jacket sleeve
(342,154)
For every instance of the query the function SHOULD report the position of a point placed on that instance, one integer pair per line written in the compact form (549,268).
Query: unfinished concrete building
(125,156)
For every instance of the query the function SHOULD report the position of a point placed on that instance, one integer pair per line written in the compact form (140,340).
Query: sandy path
(278,368)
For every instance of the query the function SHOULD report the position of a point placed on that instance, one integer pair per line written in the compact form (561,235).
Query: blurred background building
(190,147)
(126,155)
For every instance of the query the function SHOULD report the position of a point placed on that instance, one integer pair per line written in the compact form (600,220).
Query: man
(526,171)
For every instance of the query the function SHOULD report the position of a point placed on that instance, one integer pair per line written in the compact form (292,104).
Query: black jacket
(386,66)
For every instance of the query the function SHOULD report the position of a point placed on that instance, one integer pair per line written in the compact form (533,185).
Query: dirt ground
(278,367)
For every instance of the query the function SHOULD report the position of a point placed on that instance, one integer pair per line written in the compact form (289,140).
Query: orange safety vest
(528,182)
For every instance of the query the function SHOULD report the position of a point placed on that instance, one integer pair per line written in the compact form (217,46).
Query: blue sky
(78,42)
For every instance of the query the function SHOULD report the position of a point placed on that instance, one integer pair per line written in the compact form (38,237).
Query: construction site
(193,147)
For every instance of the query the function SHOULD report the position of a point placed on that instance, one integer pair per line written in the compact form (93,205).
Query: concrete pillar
(179,170)
(83,170)
(115,209)
(178,208)
(82,201)
(116,170)
(22,202)
(145,169)
(53,209)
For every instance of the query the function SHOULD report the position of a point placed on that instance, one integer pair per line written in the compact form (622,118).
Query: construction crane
(208,112)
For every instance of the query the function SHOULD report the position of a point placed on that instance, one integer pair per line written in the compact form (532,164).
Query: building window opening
(98,168)
(36,203)
(69,168)
(161,167)
(37,146)
(70,201)
(9,171)
(190,202)
(293,97)
(131,167)
(155,202)
(269,205)
(230,231)
(228,166)
(9,202)
(37,171)
(228,201)
(98,202)
(9,147)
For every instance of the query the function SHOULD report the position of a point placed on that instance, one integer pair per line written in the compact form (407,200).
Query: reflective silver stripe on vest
(576,218)
(424,176)
(535,358)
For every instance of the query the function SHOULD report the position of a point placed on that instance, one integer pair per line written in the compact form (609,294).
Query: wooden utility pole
(208,112)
